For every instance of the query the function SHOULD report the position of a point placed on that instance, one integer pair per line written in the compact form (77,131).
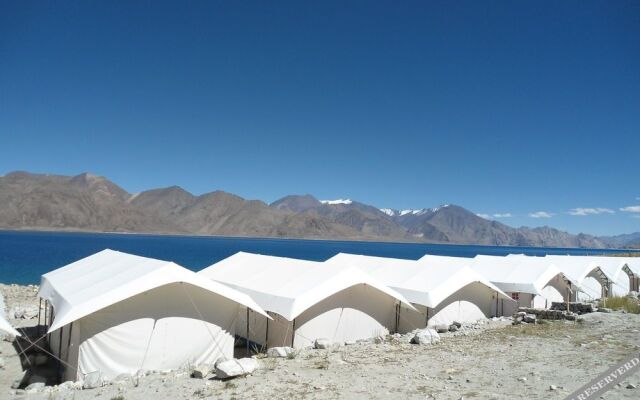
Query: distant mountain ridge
(88,202)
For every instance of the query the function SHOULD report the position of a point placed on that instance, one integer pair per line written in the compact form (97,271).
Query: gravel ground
(492,360)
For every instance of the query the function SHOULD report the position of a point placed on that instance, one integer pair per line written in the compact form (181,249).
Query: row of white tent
(118,313)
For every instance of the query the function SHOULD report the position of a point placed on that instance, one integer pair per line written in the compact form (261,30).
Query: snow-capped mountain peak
(388,211)
(421,211)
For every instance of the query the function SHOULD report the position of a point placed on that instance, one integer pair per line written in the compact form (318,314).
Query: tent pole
(496,304)
(427,320)
(397,317)
(266,336)
(59,355)
(46,309)
(247,331)
(69,341)
(293,332)
(39,312)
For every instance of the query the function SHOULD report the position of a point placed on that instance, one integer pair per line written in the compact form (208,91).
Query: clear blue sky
(502,107)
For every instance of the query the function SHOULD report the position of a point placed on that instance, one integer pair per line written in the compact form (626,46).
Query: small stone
(631,386)
(553,387)
(234,368)
(441,328)
(279,352)
(200,371)
(453,328)
(522,379)
(322,343)
(92,380)
(425,337)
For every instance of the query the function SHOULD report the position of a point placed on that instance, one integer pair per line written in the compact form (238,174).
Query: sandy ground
(493,360)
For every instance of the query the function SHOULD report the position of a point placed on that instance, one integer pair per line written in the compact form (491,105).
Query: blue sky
(503,107)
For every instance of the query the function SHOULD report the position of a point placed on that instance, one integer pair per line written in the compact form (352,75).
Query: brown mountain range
(91,203)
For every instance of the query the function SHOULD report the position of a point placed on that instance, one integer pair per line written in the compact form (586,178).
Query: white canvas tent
(307,300)
(632,268)
(118,313)
(587,272)
(619,275)
(528,280)
(441,289)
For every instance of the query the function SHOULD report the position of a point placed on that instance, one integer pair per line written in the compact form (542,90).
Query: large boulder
(279,352)
(234,368)
(530,318)
(425,337)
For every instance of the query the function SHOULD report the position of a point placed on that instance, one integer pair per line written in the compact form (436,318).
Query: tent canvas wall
(118,313)
(440,290)
(531,281)
(307,300)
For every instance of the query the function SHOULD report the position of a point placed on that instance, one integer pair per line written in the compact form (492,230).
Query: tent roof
(107,277)
(577,267)
(289,286)
(427,282)
(6,327)
(633,263)
(582,265)
(518,273)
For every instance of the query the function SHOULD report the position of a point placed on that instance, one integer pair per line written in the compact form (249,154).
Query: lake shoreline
(26,255)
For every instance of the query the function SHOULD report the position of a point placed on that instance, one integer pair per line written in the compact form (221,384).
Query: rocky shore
(491,359)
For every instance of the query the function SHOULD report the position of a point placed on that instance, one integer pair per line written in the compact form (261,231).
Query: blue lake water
(25,256)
